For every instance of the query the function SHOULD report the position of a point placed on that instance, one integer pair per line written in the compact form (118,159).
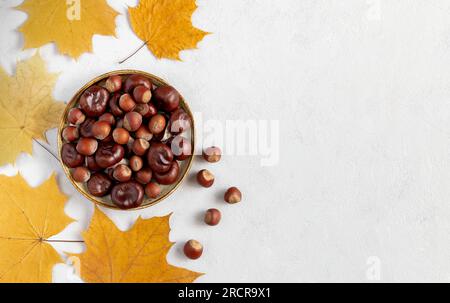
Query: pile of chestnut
(125,138)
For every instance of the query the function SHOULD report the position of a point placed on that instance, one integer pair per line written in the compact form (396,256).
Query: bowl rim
(63,123)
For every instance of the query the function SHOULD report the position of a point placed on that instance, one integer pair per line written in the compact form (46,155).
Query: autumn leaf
(166,26)
(28,218)
(70,24)
(27,108)
(138,255)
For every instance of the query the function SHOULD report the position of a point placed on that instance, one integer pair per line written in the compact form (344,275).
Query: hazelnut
(193,249)
(76,116)
(70,133)
(232,195)
(142,94)
(81,174)
(121,136)
(114,83)
(152,190)
(132,121)
(212,216)
(143,109)
(126,103)
(144,176)
(144,133)
(140,146)
(101,129)
(157,124)
(94,101)
(70,156)
(167,98)
(122,173)
(109,118)
(136,163)
(205,178)
(212,154)
(87,146)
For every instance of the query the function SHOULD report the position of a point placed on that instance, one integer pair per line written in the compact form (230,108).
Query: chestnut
(166,98)
(152,190)
(157,124)
(76,116)
(70,156)
(132,121)
(94,100)
(144,133)
(151,110)
(109,118)
(144,176)
(205,178)
(181,147)
(86,128)
(91,164)
(121,136)
(212,216)
(193,249)
(142,94)
(169,177)
(113,83)
(127,195)
(87,146)
(159,157)
(114,105)
(101,129)
(136,163)
(179,121)
(233,195)
(70,133)
(122,173)
(212,154)
(81,174)
(109,154)
(99,185)
(126,103)
(137,80)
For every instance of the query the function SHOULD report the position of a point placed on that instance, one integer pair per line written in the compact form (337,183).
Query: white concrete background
(361,89)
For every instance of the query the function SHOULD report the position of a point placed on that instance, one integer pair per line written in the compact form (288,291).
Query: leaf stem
(134,53)
(64,241)
(47,148)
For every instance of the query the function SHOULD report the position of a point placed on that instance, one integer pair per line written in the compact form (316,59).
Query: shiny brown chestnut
(86,128)
(109,154)
(127,195)
(159,157)
(166,98)
(179,121)
(144,176)
(170,176)
(70,156)
(94,100)
(137,80)
(114,105)
(99,185)
(91,164)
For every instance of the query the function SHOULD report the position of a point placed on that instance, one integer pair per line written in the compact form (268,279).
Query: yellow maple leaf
(138,255)
(70,24)
(28,218)
(166,26)
(27,108)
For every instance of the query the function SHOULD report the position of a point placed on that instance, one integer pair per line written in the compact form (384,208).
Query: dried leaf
(138,255)
(28,218)
(70,24)
(27,108)
(166,26)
